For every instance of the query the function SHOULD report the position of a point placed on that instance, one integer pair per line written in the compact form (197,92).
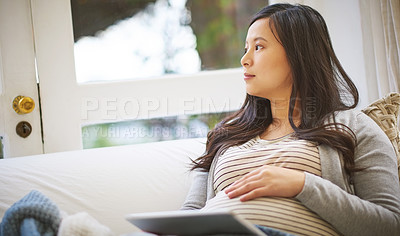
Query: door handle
(23,105)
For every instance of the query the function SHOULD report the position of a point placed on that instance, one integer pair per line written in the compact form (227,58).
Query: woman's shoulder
(348,114)
(353,118)
(359,123)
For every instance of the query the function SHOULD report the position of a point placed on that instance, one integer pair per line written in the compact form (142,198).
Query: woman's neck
(280,125)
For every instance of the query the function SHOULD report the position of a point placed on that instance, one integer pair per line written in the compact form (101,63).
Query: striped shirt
(285,214)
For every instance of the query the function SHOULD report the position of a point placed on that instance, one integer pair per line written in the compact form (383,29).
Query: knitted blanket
(34,214)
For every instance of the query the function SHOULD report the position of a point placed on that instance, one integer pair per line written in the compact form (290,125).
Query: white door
(18,78)
(37,51)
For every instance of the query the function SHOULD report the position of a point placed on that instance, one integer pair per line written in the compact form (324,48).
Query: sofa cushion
(106,183)
(384,112)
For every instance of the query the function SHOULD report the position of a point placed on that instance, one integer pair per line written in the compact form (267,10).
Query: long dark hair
(320,85)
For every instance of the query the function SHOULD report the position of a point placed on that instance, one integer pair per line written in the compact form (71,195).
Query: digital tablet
(193,223)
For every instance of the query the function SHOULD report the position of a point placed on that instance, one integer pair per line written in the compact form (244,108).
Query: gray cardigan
(369,204)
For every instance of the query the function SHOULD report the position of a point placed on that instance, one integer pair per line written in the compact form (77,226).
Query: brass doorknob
(23,105)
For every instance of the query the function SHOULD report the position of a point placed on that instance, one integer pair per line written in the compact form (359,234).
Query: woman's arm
(197,195)
(375,207)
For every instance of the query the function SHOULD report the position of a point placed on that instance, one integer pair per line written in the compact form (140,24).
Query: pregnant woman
(297,157)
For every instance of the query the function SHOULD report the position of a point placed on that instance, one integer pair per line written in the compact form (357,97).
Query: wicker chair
(385,113)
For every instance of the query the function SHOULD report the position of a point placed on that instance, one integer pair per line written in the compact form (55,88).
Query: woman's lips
(248,76)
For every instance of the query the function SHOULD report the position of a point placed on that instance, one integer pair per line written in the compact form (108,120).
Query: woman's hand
(267,181)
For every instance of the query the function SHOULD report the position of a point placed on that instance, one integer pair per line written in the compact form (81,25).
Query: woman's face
(266,70)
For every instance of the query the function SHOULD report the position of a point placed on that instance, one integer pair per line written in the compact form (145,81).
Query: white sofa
(107,183)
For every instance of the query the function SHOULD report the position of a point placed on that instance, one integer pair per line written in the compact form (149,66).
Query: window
(122,39)
(143,39)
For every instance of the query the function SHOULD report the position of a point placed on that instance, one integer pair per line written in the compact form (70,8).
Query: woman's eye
(258,47)
(245,50)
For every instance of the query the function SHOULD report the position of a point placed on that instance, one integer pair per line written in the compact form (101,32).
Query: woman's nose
(245,61)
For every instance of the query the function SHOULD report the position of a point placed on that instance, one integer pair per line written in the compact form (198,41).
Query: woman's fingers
(242,188)
(255,193)
(251,176)
(246,184)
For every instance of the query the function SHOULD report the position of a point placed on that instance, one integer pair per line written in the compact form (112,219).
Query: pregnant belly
(286,214)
